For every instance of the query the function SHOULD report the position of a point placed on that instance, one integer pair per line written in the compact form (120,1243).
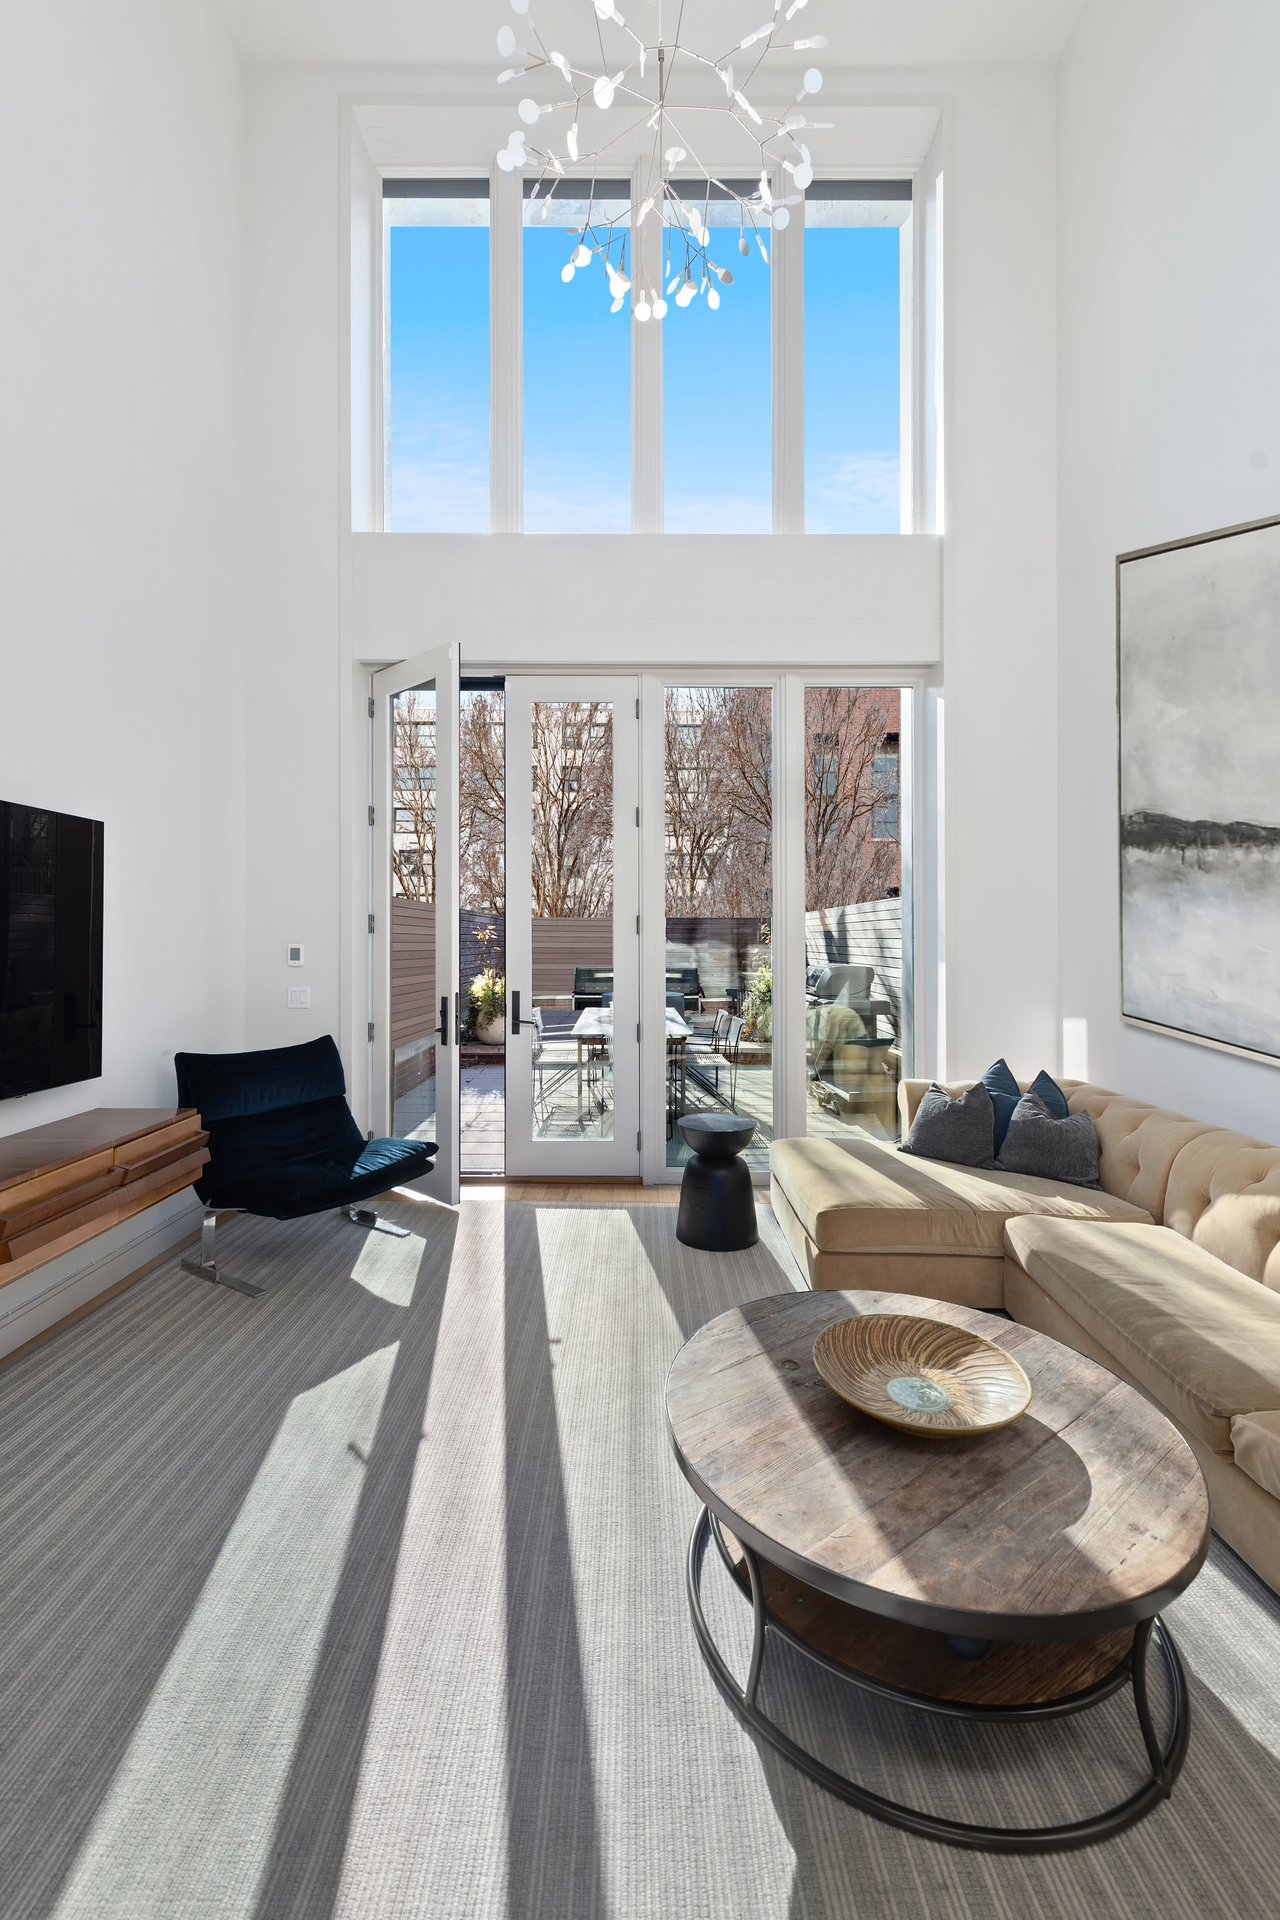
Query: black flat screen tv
(50,949)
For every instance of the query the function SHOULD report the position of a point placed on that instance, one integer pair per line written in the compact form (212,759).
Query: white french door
(572,926)
(416,1024)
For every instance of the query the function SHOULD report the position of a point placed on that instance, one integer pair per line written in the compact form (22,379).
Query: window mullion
(506,333)
(646,373)
(788,369)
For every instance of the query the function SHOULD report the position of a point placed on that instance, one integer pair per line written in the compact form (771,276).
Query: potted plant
(488,1002)
(757,1005)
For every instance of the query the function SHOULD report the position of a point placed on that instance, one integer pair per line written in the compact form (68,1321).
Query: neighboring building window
(886,816)
(577,367)
(437,293)
(826,763)
(855,233)
(717,379)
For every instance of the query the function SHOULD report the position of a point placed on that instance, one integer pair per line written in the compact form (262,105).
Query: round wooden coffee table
(1016,1576)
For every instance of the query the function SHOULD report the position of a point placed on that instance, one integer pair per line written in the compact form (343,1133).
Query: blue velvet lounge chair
(283,1142)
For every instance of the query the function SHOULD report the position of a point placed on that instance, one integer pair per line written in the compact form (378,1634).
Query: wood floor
(577,1193)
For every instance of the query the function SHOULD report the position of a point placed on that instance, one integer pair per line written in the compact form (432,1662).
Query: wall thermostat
(295,956)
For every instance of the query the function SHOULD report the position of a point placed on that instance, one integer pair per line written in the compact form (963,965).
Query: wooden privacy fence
(868,934)
(561,945)
(725,951)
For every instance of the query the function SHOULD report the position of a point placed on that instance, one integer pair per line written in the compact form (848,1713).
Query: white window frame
(506,347)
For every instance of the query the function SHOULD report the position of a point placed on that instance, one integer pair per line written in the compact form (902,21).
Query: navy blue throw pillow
(1005,1095)
(1047,1089)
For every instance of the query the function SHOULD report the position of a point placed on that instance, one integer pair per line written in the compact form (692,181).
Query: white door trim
(441,667)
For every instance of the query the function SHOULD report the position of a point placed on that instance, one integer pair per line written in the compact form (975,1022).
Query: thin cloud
(855,493)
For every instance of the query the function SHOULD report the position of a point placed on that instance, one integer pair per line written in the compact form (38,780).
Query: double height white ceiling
(460,33)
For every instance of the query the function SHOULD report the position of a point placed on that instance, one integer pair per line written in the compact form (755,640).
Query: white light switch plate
(299,996)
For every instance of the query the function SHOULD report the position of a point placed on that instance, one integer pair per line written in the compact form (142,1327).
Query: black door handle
(443,1029)
(516,1021)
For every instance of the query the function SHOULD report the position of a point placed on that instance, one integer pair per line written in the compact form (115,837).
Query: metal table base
(1164,1760)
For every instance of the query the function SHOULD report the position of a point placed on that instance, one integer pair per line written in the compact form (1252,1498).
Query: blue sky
(577,389)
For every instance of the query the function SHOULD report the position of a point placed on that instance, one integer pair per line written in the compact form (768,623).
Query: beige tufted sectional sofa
(1170,1276)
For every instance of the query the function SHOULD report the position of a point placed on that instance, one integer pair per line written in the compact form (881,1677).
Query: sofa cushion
(1199,1337)
(336,1179)
(1255,1442)
(1224,1194)
(857,1196)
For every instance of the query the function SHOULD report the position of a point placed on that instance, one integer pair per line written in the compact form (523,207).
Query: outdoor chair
(283,1143)
(705,1056)
(553,1068)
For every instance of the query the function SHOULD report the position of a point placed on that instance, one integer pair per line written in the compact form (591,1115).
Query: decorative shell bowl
(922,1376)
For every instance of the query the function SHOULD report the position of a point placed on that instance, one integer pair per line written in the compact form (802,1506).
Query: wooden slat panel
(140,1152)
(27,1240)
(559,946)
(66,1178)
(174,1151)
(17,1220)
(413,972)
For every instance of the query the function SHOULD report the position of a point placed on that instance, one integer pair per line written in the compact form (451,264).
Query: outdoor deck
(484,1114)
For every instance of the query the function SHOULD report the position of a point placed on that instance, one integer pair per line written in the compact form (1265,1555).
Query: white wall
(1169,276)
(994,626)
(121,653)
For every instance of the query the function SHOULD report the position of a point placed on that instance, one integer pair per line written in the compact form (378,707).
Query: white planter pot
(491,1032)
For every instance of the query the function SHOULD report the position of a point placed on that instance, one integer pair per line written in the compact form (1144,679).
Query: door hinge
(637,706)
(637,1033)
(371,923)
(637,816)
(372,815)
(371,707)
(638,1143)
(637,923)
(371,1029)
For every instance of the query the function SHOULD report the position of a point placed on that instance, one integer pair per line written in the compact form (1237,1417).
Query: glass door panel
(415,915)
(853,946)
(719,800)
(572,943)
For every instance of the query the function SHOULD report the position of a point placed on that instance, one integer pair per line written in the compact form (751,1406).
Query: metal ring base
(1165,1761)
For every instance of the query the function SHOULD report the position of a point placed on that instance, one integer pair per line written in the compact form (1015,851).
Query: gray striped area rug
(365,1600)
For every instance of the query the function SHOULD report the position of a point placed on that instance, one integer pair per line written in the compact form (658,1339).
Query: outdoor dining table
(594,1028)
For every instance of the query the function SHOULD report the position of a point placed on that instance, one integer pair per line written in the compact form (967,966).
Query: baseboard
(49,1297)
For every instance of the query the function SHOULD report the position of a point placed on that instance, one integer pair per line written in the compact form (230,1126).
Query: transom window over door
(720,423)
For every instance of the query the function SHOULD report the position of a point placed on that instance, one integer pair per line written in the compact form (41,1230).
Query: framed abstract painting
(1198,624)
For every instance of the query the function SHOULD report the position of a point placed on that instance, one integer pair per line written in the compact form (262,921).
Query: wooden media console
(63,1183)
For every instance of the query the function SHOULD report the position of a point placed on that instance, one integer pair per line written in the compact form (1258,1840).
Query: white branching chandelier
(660,85)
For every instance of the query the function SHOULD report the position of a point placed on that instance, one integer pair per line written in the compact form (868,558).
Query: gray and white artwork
(1199,628)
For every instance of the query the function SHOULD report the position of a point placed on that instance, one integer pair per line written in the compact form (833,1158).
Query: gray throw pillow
(1039,1143)
(960,1128)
